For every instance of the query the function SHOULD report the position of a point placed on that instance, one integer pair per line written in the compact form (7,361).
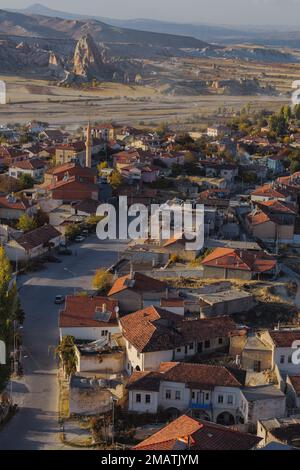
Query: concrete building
(104,356)
(225,302)
(89,396)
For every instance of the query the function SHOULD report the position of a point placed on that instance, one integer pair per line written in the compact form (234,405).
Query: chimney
(88,147)
(131,271)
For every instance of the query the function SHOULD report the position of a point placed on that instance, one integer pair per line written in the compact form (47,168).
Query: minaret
(88,147)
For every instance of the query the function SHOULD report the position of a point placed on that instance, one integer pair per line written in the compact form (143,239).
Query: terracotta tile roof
(154,329)
(255,261)
(193,375)
(198,435)
(75,184)
(73,146)
(88,206)
(279,207)
(284,339)
(269,191)
(80,311)
(37,237)
(73,169)
(147,381)
(295,381)
(140,283)
(280,213)
(30,164)
(12,203)
(172,302)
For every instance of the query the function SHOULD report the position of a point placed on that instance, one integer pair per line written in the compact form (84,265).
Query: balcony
(201,406)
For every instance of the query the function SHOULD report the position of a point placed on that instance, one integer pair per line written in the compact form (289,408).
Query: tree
(102,281)
(26,223)
(10,309)
(66,353)
(101,166)
(72,231)
(295,166)
(297,111)
(92,221)
(41,218)
(26,181)
(115,179)
(279,123)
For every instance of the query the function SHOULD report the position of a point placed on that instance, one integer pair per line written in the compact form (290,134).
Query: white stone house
(282,344)
(154,335)
(209,392)
(213,393)
(89,318)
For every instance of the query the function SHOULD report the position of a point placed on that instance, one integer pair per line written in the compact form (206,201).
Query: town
(142,344)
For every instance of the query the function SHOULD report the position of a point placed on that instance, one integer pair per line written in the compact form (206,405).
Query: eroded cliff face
(90,60)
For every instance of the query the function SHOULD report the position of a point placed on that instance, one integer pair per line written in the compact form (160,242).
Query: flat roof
(264,392)
(225,296)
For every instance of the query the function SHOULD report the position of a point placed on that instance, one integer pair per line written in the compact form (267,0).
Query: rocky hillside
(18,24)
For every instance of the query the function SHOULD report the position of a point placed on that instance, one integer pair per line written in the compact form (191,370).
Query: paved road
(36,426)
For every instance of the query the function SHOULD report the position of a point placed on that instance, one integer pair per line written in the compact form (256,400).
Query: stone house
(104,356)
(89,396)
(89,318)
(153,335)
(227,263)
(136,290)
(33,244)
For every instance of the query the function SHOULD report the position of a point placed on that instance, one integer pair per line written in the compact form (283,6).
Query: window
(207,344)
(257,366)
(104,333)
(230,400)
(282,359)
(290,359)
(129,346)
(193,395)
(177,395)
(138,354)
(138,398)
(220,340)
(207,396)
(220,399)
(168,394)
(178,350)
(191,346)
(148,399)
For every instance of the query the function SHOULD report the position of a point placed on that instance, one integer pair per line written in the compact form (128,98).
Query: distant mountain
(279,36)
(34,25)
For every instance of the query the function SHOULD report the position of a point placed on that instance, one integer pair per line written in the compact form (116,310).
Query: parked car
(52,259)
(65,251)
(79,239)
(59,300)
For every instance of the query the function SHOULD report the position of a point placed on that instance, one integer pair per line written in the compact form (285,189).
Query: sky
(230,12)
